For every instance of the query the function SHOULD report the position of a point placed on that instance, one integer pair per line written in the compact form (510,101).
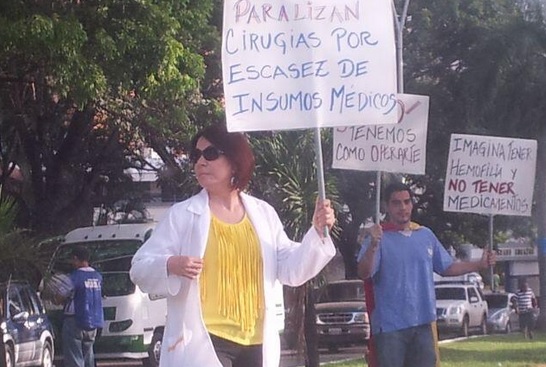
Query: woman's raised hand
(324,216)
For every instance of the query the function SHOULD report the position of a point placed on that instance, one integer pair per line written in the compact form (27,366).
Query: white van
(134,321)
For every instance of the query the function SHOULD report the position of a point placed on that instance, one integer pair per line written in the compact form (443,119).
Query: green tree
(20,256)
(84,85)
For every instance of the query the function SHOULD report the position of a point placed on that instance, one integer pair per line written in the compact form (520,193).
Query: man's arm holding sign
(462,267)
(366,264)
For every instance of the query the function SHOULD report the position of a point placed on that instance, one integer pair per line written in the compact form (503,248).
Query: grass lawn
(491,351)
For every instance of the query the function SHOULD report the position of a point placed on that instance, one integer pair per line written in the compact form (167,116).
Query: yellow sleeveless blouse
(232,295)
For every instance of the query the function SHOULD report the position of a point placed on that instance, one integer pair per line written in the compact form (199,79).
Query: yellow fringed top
(232,295)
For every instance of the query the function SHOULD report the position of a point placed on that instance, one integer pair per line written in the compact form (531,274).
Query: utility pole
(540,215)
(400,23)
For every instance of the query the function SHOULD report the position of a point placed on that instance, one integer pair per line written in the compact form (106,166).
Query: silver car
(502,312)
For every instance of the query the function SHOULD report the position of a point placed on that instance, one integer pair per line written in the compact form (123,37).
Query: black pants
(232,354)
(526,321)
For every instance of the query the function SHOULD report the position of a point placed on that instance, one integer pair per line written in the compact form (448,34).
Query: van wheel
(154,351)
(10,356)
(47,356)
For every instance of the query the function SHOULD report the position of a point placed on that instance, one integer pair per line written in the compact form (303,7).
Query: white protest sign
(293,64)
(397,147)
(490,175)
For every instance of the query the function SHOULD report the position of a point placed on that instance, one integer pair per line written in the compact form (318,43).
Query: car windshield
(450,293)
(117,284)
(112,258)
(496,300)
(342,292)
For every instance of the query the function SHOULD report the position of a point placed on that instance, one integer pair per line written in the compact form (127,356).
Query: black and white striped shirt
(525,300)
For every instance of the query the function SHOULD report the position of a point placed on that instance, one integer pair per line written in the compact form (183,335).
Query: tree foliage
(286,174)
(20,256)
(86,85)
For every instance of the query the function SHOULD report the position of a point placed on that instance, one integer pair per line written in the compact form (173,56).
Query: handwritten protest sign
(293,64)
(397,147)
(490,175)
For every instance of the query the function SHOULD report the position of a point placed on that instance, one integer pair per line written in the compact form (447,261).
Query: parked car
(460,307)
(342,318)
(502,312)
(27,331)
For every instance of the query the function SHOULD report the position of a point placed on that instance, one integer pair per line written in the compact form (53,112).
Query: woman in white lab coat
(217,255)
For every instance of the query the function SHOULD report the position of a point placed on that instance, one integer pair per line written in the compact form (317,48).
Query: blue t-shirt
(402,278)
(86,302)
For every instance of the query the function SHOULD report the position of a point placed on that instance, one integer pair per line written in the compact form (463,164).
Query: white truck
(459,307)
(134,321)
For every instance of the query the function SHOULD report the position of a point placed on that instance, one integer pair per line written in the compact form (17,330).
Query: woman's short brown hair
(236,148)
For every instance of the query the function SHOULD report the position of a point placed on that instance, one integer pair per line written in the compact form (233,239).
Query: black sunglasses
(210,153)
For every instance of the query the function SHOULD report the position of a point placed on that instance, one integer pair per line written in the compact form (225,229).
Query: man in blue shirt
(83,313)
(398,259)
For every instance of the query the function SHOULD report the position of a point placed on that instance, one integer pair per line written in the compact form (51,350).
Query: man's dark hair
(395,187)
(81,253)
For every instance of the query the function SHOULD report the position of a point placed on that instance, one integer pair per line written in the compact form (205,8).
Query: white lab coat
(184,231)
